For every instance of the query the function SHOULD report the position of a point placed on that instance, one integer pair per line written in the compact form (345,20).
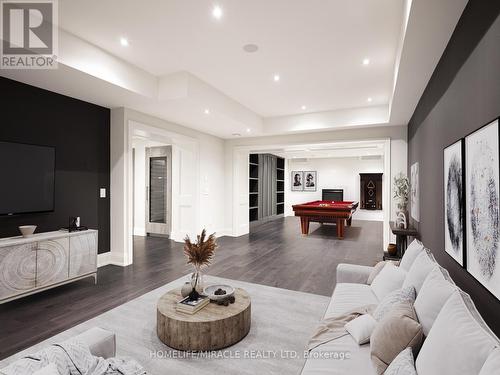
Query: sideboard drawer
(17,269)
(52,261)
(82,254)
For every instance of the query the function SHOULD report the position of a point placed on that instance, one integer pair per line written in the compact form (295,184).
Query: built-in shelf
(266,182)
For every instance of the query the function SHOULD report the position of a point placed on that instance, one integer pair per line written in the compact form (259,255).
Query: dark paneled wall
(462,95)
(80,133)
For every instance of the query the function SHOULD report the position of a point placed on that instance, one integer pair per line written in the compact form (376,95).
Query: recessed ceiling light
(303,107)
(276,77)
(366,61)
(249,130)
(207,111)
(217,12)
(236,135)
(250,48)
(124,42)
(369,100)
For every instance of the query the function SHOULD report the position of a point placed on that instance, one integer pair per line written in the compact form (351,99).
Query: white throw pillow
(403,364)
(433,295)
(459,341)
(412,251)
(492,364)
(388,280)
(50,369)
(393,298)
(361,328)
(419,270)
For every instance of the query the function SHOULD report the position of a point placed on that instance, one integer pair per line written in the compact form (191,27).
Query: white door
(158,190)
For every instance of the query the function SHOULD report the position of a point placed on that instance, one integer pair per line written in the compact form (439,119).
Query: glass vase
(197,280)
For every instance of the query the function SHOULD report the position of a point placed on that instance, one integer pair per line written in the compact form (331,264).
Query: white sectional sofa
(456,339)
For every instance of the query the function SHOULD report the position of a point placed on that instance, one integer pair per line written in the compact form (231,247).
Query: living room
(276,187)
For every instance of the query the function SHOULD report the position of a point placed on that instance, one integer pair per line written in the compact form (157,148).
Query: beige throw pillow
(398,330)
(376,270)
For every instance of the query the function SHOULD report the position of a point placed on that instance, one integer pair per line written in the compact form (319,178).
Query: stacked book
(190,307)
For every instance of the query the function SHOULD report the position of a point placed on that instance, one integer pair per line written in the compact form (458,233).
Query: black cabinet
(370,194)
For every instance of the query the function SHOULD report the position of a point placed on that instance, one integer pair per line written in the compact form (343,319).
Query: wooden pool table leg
(340,228)
(304,225)
(349,221)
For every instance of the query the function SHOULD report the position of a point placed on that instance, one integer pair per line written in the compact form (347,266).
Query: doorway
(158,190)
(152,188)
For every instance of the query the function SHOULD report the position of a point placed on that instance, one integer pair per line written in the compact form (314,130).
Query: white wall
(332,173)
(139,188)
(197,174)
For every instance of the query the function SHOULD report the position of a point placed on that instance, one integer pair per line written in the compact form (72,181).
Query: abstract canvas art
(414,193)
(454,202)
(482,206)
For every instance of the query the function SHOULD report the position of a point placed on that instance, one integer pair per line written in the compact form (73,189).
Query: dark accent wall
(462,95)
(80,133)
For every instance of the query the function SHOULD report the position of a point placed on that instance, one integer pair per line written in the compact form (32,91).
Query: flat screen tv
(28,178)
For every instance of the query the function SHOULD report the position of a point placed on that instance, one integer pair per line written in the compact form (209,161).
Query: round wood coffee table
(213,327)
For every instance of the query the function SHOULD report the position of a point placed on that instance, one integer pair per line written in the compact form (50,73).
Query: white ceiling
(316,46)
(181,61)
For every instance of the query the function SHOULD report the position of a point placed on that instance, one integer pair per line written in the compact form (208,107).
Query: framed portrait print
(482,206)
(454,201)
(297,181)
(310,180)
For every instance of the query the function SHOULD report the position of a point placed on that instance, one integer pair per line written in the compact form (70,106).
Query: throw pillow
(412,251)
(459,341)
(388,280)
(419,270)
(399,330)
(400,295)
(50,369)
(403,364)
(376,270)
(433,295)
(361,328)
(492,364)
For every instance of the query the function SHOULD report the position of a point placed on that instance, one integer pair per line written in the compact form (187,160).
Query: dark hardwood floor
(273,254)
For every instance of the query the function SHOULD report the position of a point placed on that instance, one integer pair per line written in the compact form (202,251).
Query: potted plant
(200,255)
(401,189)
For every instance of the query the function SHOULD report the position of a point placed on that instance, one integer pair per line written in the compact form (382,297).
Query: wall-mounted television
(27,182)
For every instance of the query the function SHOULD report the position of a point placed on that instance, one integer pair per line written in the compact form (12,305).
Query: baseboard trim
(106,259)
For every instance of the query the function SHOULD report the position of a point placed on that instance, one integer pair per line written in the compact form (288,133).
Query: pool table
(325,212)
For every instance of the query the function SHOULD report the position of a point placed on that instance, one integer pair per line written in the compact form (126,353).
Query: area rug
(282,323)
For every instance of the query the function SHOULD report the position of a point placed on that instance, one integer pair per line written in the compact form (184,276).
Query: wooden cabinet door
(52,261)
(82,254)
(17,269)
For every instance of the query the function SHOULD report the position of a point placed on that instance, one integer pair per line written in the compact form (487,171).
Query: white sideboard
(45,260)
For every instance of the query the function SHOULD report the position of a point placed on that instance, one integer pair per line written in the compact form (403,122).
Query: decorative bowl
(27,230)
(210,290)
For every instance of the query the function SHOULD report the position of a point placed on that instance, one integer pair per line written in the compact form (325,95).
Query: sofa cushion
(492,364)
(361,328)
(403,364)
(459,341)
(435,291)
(375,271)
(347,297)
(411,253)
(393,298)
(388,280)
(419,270)
(399,330)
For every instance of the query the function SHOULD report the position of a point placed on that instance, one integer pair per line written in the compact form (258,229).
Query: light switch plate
(102,193)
